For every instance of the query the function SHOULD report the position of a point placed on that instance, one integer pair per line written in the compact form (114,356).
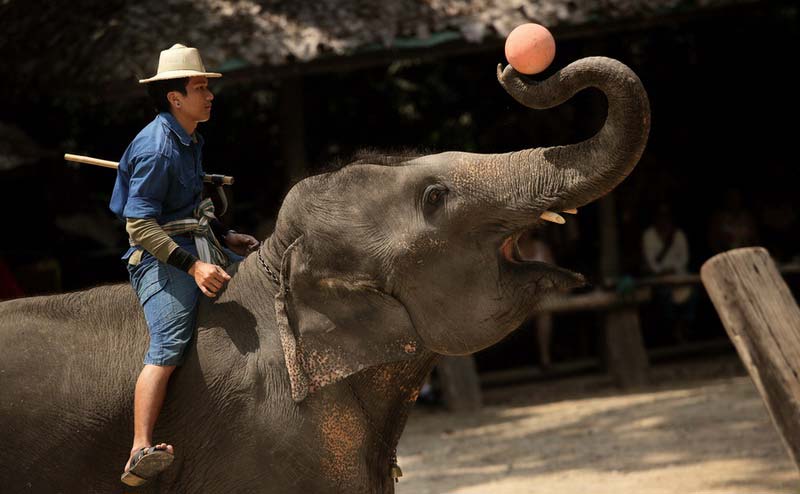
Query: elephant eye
(434,194)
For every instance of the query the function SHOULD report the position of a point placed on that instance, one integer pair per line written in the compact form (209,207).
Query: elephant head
(388,256)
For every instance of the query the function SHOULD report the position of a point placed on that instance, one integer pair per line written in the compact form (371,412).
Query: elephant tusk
(570,211)
(552,217)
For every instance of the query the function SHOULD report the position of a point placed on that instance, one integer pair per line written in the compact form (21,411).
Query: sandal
(146,464)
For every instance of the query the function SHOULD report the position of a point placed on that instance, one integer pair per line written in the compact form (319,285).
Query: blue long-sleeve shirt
(160,175)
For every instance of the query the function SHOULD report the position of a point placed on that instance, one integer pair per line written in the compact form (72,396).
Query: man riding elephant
(305,366)
(158,193)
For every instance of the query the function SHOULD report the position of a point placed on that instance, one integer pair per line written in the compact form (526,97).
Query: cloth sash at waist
(199,226)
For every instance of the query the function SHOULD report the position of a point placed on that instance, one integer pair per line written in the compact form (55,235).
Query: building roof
(102,42)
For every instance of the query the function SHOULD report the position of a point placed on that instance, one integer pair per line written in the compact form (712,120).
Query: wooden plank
(690,278)
(763,321)
(461,389)
(596,300)
(515,375)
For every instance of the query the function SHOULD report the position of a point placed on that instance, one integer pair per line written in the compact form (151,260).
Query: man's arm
(219,229)
(149,234)
(665,247)
(681,256)
(240,243)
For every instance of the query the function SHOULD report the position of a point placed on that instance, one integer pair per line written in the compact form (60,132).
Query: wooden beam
(788,269)
(598,300)
(763,321)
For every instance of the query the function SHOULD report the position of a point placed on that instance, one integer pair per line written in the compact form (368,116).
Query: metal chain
(393,458)
(269,271)
(392,450)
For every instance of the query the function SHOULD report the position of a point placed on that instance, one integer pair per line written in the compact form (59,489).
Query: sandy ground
(709,433)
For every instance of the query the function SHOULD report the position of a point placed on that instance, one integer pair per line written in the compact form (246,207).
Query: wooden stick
(763,321)
(209,178)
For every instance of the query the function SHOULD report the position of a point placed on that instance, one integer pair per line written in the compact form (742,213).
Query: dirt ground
(699,428)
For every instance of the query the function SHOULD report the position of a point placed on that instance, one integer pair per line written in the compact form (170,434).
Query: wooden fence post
(458,378)
(627,358)
(763,321)
(625,352)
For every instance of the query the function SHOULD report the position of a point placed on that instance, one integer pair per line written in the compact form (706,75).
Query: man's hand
(240,243)
(209,277)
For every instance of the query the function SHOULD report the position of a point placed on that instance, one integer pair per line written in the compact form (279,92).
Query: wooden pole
(625,354)
(763,321)
(88,160)
(461,389)
(624,347)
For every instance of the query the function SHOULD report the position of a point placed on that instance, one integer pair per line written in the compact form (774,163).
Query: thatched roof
(111,41)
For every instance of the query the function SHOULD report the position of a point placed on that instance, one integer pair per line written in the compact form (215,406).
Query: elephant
(304,369)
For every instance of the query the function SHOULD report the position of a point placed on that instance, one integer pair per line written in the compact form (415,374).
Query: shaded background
(309,85)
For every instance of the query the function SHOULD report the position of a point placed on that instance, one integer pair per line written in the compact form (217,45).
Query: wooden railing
(626,357)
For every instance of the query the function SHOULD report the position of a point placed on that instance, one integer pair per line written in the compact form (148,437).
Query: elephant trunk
(574,175)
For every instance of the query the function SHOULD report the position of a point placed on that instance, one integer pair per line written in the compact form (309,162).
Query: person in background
(665,250)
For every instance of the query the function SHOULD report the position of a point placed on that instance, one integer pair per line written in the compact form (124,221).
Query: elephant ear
(333,325)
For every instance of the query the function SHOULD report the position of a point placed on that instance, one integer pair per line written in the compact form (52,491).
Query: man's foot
(146,463)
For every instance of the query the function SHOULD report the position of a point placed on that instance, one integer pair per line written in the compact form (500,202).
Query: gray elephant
(305,368)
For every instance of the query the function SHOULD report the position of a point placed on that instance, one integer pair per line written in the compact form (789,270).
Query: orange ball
(530,48)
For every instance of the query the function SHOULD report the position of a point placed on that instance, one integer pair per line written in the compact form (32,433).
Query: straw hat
(178,62)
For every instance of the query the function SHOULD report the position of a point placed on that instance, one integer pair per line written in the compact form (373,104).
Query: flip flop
(146,464)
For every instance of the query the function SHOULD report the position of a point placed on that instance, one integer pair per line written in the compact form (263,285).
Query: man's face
(196,105)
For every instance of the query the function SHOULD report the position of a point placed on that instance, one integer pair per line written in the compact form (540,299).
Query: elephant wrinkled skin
(302,382)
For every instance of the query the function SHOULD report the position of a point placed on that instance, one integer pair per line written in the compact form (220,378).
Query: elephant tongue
(522,248)
(507,249)
(529,248)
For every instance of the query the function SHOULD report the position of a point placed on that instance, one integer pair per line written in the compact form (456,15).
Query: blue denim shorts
(169,298)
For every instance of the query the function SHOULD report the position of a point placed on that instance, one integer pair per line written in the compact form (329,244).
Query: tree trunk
(763,321)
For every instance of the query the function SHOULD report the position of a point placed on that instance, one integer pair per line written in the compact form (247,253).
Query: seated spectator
(665,250)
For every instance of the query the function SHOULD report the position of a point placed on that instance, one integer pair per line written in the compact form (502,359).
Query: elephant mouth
(522,248)
(523,251)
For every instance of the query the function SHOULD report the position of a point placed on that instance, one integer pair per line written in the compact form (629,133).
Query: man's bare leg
(151,388)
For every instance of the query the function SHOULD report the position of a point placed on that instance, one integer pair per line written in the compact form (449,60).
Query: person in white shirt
(664,246)
(665,250)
